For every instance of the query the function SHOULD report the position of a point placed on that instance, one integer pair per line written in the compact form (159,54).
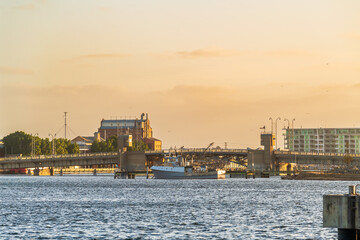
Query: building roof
(83,138)
(120,124)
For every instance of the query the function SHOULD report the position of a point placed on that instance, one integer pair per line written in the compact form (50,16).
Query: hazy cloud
(15,71)
(105,9)
(103,55)
(213,113)
(95,56)
(208,52)
(25,7)
(352,36)
(289,53)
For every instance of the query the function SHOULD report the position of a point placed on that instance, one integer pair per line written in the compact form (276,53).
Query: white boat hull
(161,172)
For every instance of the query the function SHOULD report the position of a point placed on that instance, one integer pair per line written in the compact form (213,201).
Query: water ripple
(87,207)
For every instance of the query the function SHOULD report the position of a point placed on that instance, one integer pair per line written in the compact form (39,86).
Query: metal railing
(316,154)
(197,150)
(59,156)
(165,151)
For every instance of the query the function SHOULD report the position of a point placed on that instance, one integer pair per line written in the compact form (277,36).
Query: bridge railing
(165,151)
(316,154)
(59,156)
(198,150)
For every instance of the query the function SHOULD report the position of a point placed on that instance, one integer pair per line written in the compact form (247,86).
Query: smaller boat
(176,168)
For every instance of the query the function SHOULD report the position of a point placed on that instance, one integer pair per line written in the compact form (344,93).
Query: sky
(205,71)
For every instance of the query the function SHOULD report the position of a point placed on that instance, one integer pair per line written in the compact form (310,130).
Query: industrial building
(323,140)
(140,130)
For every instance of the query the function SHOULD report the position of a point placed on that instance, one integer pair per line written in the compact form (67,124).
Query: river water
(99,207)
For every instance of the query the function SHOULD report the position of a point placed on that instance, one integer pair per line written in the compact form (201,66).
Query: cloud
(15,71)
(208,52)
(289,53)
(198,114)
(104,55)
(29,6)
(351,36)
(95,56)
(105,9)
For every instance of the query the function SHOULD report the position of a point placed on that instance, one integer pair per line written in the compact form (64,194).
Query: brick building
(140,129)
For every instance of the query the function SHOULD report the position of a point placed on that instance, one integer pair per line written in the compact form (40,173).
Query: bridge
(258,159)
(59,161)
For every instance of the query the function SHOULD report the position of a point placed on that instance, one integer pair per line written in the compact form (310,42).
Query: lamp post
(272,124)
(278,118)
(287,132)
(53,142)
(33,147)
(293,137)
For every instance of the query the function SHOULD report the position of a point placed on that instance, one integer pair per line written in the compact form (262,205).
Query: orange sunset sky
(205,70)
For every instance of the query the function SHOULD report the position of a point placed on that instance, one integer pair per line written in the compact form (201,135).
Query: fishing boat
(177,168)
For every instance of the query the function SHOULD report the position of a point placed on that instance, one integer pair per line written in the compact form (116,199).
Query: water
(99,207)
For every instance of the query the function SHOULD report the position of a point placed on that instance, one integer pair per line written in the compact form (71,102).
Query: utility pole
(65,124)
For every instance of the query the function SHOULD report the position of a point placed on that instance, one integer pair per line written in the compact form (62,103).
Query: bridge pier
(61,172)
(342,212)
(94,173)
(36,172)
(131,176)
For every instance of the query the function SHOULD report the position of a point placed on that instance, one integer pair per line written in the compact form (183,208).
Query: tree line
(111,145)
(20,142)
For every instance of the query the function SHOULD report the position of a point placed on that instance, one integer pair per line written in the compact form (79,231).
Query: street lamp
(53,142)
(272,124)
(292,126)
(276,131)
(287,132)
(33,145)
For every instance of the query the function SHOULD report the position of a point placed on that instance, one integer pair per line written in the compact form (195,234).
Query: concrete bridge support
(342,212)
(260,161)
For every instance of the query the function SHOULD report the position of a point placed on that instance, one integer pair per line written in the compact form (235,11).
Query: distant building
(153,143)
(329,140)
(85,143)
(140,129)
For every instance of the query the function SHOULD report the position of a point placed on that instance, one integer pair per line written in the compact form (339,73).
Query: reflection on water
(99,207)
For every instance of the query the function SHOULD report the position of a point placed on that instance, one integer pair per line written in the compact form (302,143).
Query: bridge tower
(263,159)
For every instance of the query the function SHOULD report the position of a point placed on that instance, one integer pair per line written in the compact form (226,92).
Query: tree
(18,143)
(139,145)
(21,143)
(73,148)
(46,146)
(110,145)
(95,146)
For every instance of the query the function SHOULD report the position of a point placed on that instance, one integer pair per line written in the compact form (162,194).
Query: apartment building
(329,140)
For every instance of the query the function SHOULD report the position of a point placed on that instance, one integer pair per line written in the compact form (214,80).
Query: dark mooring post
(342,211)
